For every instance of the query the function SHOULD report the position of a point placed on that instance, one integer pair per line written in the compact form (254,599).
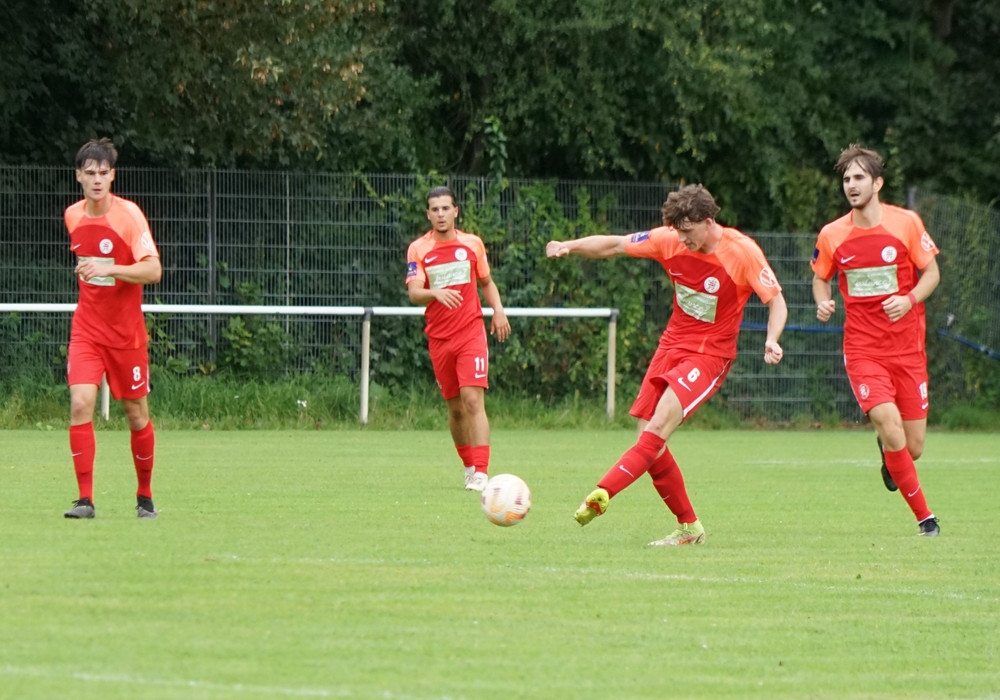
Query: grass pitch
(353,565)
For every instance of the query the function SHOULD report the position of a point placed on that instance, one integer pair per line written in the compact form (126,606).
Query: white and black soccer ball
(506,500)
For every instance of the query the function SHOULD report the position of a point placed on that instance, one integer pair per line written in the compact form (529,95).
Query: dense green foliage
(753,98)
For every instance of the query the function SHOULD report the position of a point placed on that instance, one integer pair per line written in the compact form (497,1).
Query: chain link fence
(276,238)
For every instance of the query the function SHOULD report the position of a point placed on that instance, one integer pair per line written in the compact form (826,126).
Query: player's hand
(556,249)
(825,309)
(89,269)
(500,326)
(773,353)
(896,307)
(451,298)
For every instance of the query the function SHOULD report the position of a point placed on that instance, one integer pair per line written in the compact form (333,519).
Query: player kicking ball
(714,270)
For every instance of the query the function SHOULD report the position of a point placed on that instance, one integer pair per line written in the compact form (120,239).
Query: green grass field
(353,565)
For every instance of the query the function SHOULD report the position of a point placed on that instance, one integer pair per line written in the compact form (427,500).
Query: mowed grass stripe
(353,564)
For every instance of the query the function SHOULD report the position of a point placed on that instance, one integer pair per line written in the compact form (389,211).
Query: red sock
(465,454)
(143,446)
(904,473)
(669,483)
(481,457)
(83,447)
(633,464)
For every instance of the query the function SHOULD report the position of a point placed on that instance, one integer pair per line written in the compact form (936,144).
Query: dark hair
(691,203)
(97,150)
(441,191)
(867,160)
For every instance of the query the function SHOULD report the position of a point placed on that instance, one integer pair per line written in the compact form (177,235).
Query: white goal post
(366,313)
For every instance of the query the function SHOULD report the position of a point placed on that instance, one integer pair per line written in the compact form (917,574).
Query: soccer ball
(506,500)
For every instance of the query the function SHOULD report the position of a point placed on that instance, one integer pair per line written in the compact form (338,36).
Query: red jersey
(109,311)
(875,263)
(710,290)
(458,264)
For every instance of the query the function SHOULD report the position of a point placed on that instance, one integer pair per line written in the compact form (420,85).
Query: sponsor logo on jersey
(449,274)
(926,242)
(146,241)
(872,281)
(696,304)
(639,236)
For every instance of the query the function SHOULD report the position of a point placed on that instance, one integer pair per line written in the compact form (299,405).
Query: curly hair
(691,203)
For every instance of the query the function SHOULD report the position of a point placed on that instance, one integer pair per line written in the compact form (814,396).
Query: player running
(714,270)
(878,250)
(443,268)
(115,257)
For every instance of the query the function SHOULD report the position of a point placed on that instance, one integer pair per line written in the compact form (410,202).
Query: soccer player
(885,258)
(443,268)
(115,257)
(713,269)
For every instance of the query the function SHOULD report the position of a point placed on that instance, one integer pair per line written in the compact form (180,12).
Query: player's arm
(146,271)
(823,295)
(777,315)
(588,247)
(896,307)
(420,296)
(500,325)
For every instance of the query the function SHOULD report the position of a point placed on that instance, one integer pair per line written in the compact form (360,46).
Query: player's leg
(443,360)
(472,374)
(693,380)
(899,462)
(909,376)
(84,370)
(143,444)
(128,379)
(473,399)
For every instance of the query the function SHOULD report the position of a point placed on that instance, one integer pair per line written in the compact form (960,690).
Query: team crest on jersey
(889,254)
(863,391)
(767,277)
(461,254)
(712,285)
(639,237)
(926,242)
(106,246)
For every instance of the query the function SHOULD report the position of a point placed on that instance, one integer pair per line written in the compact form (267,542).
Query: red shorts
(901,380)
(460,362)
(693,377)
(127,369)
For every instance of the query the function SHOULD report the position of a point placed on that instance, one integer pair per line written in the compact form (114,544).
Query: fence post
(612,350)
(366,336)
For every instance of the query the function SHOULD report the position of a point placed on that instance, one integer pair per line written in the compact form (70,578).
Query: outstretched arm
(588,247)
(777,315)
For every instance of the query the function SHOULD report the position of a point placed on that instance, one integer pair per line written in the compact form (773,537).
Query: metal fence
(292,239)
